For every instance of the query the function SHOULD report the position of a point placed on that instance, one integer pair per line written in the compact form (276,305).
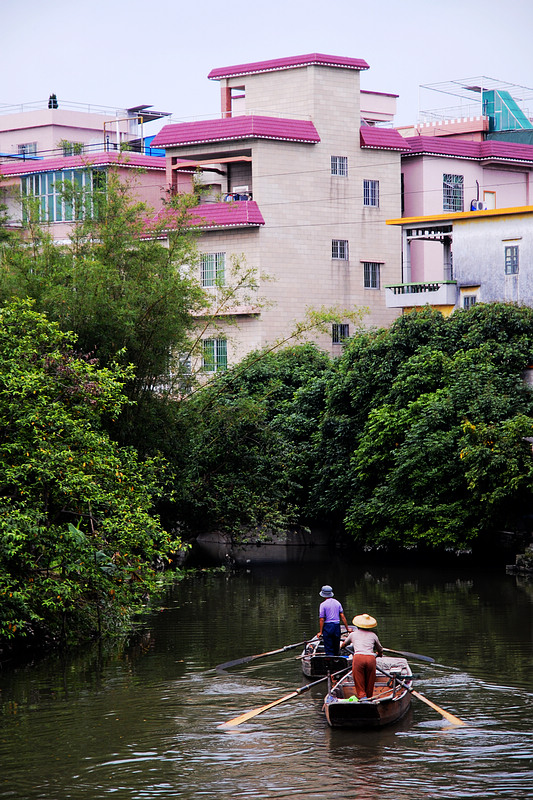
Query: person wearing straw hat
(331,614)
(366,646)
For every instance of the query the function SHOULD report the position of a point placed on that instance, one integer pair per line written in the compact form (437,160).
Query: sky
(138,53)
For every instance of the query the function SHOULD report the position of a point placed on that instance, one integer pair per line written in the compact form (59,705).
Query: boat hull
(390,703)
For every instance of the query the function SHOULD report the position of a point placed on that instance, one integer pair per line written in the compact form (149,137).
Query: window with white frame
(371,274)
(469,300)
(27,149)
(215,355)
(511,259)
(213,267)
(452,192)
(371,193)
(63,196)
(339,249)
(72,148)
(339,166)
(339,332)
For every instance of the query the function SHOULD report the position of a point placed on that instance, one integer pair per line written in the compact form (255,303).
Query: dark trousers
(331,636)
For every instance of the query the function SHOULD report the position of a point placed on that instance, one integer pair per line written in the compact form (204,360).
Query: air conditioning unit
(478,205)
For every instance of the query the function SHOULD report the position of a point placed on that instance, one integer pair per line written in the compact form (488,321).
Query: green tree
(409,415)
(77,532)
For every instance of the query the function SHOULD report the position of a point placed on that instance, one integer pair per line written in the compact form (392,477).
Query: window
(215,355)
(371,274)
(339,333)
(371,193)
(213,269)
(452,192)
(511,259)
(72,148)
(63,196)
(339,165)
(339,249)
(469,300)
(27,149)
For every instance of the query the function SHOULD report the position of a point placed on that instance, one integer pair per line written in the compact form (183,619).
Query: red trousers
(364,674)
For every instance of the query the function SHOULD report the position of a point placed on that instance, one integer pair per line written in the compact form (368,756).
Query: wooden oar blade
(228,664)
(232,723)
(446,714)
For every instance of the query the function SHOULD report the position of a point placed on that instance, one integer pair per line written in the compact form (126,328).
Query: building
(299,177)
(457,172)
(45,145)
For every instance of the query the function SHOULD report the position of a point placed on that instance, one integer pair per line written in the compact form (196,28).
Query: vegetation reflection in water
(141,722)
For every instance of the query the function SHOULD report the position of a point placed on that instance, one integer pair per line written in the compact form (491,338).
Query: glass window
(215,355)
(339,249)
(371,274)
(213,269)
(511,260)
(469,300)
(371,193)
(452,192)
(55,192)
(339,165)
(339,332)
(27,149)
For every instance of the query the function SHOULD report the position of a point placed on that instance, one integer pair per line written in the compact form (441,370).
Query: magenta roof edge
(290,62)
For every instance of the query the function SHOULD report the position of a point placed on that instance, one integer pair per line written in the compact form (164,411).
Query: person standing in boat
(331,615)
(366,646)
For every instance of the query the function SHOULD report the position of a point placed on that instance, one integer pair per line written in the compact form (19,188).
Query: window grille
(452,192)
(215,355)
(339,249)
(213,269)
(339,166)
(511,259)
(371,193)
(339,332)
(371,271)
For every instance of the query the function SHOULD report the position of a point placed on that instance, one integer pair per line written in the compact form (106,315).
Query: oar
(450,717)
(417,656)
(259,655)
(231,723)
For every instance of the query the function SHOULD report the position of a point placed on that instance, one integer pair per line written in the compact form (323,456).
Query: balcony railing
(434,293)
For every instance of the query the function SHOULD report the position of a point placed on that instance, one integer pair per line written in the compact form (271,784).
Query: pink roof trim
(382,139)
(212,216)
(311,59)
(479,151)
(127,160)
(243,127)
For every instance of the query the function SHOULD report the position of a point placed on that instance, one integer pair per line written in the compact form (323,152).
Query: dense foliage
(77,532)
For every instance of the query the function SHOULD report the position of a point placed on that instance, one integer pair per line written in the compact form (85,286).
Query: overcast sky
(159,53)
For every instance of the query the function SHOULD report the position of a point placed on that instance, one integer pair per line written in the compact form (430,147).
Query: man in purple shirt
(331,615)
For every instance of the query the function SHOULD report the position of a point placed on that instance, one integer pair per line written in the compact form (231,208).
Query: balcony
(432,293)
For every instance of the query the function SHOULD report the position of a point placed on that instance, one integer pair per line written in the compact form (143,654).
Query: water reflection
(142,722)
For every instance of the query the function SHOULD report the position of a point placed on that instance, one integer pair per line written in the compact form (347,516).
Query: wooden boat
(316,664)
(390,701)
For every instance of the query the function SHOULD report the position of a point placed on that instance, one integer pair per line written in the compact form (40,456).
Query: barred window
(339,249)
(371,271)
(371,193)
(452,192)
(339,332)
(213,269)
(215,355)
(339,165)
(511,259)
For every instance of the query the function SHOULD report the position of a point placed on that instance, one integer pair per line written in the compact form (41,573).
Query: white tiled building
(318,182)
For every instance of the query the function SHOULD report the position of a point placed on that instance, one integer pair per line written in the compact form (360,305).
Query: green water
(142,723)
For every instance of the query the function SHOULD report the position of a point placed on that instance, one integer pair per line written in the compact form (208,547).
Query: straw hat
(364,621)
(326,591)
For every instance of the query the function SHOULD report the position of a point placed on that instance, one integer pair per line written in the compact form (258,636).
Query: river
(141,723)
